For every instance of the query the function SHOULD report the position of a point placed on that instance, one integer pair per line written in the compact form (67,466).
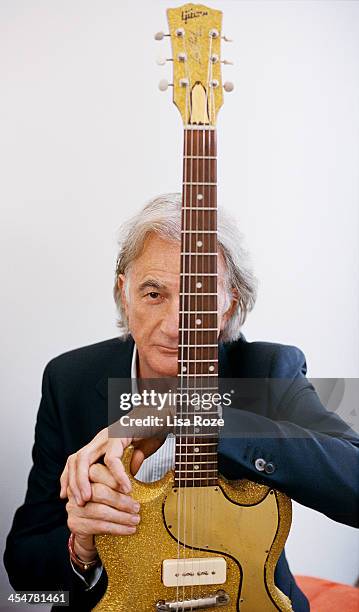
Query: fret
(199,231)
(199,273)
(199,208)
(193,460)
(198,183)
(180,447)
(196,253)
(194,312)
(197,345)
(199,157)
(196,294)
(202,444)
(194,477)
(197,470)
(197,462)
(186,409)
(202,389)
(202,375)
(200,360)
(199,329)
(206,414)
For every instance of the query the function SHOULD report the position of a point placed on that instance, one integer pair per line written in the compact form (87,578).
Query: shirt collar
(134,362)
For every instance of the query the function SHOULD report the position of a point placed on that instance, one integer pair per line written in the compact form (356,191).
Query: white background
(87,138)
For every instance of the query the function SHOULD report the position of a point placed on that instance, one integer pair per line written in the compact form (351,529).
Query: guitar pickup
(193,572)
(220,598)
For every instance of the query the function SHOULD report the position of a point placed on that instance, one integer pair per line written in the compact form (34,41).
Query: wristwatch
(83,565)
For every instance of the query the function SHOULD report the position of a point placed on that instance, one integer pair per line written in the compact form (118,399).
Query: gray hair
(162,215)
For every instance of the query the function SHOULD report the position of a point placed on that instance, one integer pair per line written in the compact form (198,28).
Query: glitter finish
(234,520)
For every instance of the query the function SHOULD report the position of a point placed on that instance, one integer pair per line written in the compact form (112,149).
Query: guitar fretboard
(196,453)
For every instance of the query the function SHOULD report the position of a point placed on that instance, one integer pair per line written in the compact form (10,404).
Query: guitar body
(243,522)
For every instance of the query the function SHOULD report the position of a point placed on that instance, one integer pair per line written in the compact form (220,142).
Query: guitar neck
(196,453)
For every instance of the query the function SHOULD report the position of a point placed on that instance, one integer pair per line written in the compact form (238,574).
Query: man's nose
(169,325)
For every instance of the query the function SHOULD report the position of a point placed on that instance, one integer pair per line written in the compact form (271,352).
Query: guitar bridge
(220,598)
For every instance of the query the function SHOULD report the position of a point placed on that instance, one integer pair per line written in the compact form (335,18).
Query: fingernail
(135,519)
(136,507)
(132,529)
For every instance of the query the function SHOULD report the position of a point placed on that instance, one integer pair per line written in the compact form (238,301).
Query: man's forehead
(155,274)
(161,259)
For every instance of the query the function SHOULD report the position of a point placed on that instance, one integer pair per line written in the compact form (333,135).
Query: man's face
(153,305)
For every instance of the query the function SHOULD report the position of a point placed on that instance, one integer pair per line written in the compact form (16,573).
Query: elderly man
(317,469)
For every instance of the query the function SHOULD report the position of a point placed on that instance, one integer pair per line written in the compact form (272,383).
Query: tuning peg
(227,62)
(215,58)
(161,61)
(164,84)
(226,39)
(160,35)
(228,86)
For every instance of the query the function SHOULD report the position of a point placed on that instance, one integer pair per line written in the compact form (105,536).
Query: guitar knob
(228,86)
(161,61)
(164,84)
(160,35)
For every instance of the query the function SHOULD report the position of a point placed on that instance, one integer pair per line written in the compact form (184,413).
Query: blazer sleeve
(36,555)
(305,451)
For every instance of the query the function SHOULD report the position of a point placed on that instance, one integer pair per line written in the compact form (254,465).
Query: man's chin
(165,361)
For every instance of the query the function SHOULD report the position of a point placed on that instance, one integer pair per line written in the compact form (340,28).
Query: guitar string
(178,441)
(214,244)
(193,239)
(189,335)
(210,214)
(187,302)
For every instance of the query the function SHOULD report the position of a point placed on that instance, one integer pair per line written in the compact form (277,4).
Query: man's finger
(76,472)
(88,455)
(64,481)
(103,512)
(102,494)
(72,460)
(103,527)
(101,473)
(112,459)
(137,459)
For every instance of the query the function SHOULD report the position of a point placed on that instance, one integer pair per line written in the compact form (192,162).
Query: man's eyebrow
(151,283)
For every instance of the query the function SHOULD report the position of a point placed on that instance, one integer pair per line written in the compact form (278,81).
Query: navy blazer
(317,469)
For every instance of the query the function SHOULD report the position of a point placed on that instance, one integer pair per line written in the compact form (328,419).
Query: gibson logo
(192,14)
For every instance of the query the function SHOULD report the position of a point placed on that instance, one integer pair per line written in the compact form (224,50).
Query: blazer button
(260,464)
(269,468)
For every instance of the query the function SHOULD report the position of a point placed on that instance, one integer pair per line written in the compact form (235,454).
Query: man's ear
(121,281)
(231,308)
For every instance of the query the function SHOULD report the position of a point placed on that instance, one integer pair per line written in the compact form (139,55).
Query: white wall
(86,138)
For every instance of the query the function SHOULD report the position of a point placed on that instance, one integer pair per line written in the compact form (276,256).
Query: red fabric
(326,596)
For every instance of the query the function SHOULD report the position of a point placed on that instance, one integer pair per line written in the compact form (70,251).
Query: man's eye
(153,295)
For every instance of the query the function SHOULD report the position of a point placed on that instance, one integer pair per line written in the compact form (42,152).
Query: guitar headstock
(196,32)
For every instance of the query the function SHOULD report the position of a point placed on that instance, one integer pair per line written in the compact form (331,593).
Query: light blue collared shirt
(155,466)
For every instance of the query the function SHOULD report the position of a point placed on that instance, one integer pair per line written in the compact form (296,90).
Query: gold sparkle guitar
(203,542)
